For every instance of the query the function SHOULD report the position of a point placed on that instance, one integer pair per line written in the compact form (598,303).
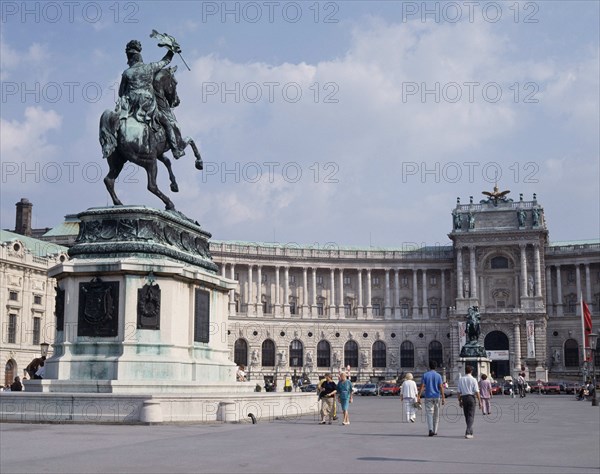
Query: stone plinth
(481,365)
(140,308)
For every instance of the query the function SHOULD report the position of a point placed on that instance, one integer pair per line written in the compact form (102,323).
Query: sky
(352,123)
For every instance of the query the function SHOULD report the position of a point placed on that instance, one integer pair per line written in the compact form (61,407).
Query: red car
(551,387)
(389,389)
(496,389)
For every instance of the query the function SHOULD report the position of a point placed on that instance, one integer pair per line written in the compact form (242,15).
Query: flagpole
(582,326)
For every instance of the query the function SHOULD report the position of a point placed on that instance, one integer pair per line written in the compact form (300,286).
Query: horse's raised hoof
(199,165)
(174,187)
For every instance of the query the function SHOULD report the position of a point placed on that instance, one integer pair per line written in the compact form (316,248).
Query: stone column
(578,286)
(472,273)
(549,303)
(361,308)
(459,273)
(443,304)
(259,306)
(588,288)
(369,307)
(415,306)
(277,310)
(387,312)
(517,345)
(523,271)
(250,297)
(538,270)
(396,294)
(232,311)
(559,297)
(286,292)
(305,303)
(481,296)
(314,293)
(341,307)
(425,310)
(332,285)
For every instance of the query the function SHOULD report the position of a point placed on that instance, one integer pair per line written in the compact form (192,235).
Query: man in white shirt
(468,390)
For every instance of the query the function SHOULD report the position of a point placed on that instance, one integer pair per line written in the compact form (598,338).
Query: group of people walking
(470,394)
(328,392)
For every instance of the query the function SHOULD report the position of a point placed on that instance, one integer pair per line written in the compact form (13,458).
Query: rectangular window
(13,296)
(264,277)
(320,309)
(37,324)
(319,280)
(37,299)
(347,281)
(404,310)
(376,281)
(570,277)
(292,307)
(236,276)
(376,309)
(12,329)
(404,281)
(348,309)
(432,280)
(292,278)
(433,310)
(202,316)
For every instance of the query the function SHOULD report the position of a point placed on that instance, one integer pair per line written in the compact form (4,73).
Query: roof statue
(495,196)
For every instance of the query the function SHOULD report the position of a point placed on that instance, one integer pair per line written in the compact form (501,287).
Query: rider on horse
(137,97)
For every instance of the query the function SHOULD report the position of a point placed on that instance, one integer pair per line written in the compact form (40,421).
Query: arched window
(379,355)
(499,262)
(436,353)
(240,352)
(407,354)
(296,353)
(268,353)
(351,354)
(571,353)
(323,354)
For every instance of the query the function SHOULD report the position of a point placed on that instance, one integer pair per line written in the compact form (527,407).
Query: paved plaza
(538,434)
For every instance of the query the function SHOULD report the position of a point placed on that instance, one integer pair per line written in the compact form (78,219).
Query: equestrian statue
(143,127)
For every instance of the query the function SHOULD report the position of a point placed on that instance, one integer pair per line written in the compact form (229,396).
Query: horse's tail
(109,124)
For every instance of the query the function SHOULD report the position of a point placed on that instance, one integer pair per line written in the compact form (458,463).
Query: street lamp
(593,338)
(44,348)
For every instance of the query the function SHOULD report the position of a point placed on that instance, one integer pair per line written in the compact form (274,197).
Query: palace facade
(303,309)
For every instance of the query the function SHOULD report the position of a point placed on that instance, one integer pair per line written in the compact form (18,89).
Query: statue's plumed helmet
(134,46)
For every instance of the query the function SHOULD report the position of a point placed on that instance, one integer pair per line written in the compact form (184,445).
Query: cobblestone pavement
(538,434)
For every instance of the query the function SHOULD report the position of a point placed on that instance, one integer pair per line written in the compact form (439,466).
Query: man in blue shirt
(433,386)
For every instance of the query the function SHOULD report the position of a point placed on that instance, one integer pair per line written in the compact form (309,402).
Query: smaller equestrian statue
(143,126)
(473,330)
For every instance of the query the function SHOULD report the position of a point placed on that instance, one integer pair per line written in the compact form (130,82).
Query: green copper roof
(37,247)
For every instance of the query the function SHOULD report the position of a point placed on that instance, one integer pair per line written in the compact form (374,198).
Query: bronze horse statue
(473,328)
(127,139)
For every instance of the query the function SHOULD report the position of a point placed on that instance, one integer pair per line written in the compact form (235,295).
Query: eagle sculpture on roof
(495,196)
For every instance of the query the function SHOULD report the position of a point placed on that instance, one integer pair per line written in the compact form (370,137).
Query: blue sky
(357,123)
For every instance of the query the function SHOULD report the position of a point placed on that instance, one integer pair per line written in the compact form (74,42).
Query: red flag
(587,327)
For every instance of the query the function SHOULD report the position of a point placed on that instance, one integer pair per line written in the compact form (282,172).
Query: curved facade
(387,311)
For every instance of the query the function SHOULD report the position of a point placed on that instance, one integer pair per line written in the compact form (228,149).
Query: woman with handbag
(409,397)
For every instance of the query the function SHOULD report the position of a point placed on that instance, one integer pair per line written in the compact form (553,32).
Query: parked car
(309,388)
(389,389)
(496,389)
(508,387)
(449,392)
(356,387)
(368,389)
(536,386)
(551,387)
(572,387)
